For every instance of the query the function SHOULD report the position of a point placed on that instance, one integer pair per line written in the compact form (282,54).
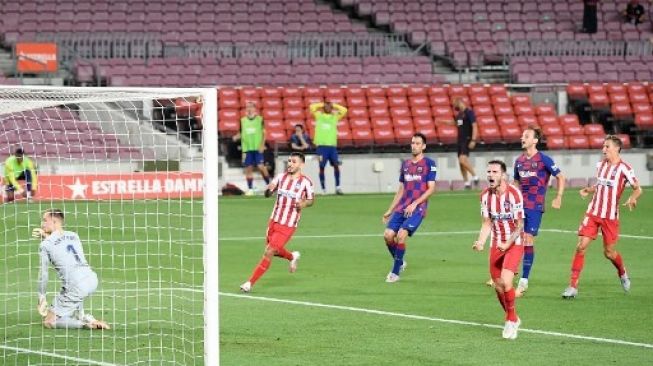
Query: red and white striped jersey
(611,181)
(289,192)
(504,210)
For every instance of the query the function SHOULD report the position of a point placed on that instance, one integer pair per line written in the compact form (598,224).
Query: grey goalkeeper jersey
(64,251)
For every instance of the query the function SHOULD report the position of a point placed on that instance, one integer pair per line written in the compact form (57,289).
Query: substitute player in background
(408,208)
(502,215)
(252,144)
(531,175)
(19,167)
(63,250)
(294,192)
(326,116)
(612,174)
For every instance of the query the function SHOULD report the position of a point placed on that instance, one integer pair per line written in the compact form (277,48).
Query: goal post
(135,171)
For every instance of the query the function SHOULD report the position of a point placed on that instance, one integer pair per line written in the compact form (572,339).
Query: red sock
(619,264)
(263,266)
(576,267)
(283,253)
(511,313)
(502,299)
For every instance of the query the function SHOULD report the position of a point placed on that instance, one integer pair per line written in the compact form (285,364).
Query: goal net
(135,173)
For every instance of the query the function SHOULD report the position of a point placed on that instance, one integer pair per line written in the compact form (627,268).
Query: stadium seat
(312,91)
(429,132)
(271,103)
(616,88)
(294,113)
(527,121)
(334,92)
(274,124)
(396,91)
(291,92)
(507,119)
(638,98)
(404,134)
(272,114)
(423,122)
(510,133)
(377,101)
(480,99)
(568,119)
(524,109)
(557,142)
(596,88)
(520,99)
(547,120)
(417,91)
(447,134)
(356,101)
(457,90)
(576,91)
(599,100)
(618,98)
(271,92)
(434,90)
(578,142)
(381,122)
(621,111)
(625,139)
(503,109)
(397,101)
(358,112)
(293,102)
(549,130)
(500,99)
(345,138)
(308,100)
(644,121)
(228,127)
(483,110)
(486,120)
(249,93)
(375,91)
(359,123)
(545,109)
(418,101)
(596,141)
(276,136)
(402,122)
(379,111)
(421,111)
(439,100)
(594,129)
(442,113)
(229,102)
(354,91)
(384,136)
(642,108)
(362,137)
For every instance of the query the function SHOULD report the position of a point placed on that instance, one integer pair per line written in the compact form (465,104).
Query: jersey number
(70,248)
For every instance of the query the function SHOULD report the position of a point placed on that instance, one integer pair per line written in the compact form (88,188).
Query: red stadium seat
(497,89)
(457,90)
(637,98)
(423,122)
(402,122)
(271,92)
(429,132)
(636,88)
(397,101)
(384,136)
(229,102)
(275,124)
(524,109)
(488,120)
(345,138)
(594,129)
(227,93)
(477,89)
(556,143)
(437,90)
(447,134)
(399,112)
(578,142)
(244,100)
(269,114)
(312,99)
(503,109)
(228,127)
(294,113)
(293,102)
(576,91)
(507,119)
(421,111)
(382,122)
(337,100)
(595,88)
(355,101)
(619,98)
(527,121)
(599,100)
(417,91)
(404,135)
(375,91)
(362,137)
(552,130)
(418,101)
(357,112)
(483,110)
(377,101)
(644,121)
(313,91)
(547,120)
(571,129)
(359,123)
(290,123)
(596,141)
(613,88)
(500,99)
(625,139)
(355,91)
(441,113)
(229,114)
(291,92)
(511,133)
(621,111)
(249,93)
(480,99)
(278,136)
(396,91)
(568,119)
(272,103)
(464,98)
(489,134)
(439,100)
(520,99)
(334,92)
(379,112)
(545,109)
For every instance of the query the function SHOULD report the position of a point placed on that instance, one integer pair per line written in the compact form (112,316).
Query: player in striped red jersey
(294,192)
(612,175)
(502,211)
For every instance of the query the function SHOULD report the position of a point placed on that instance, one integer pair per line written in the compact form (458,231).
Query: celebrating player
(252,143)
(408,208)
(531,175)
(64,250)
(19,167)
(612,174)
(503,217)
(294,192)
(326,116)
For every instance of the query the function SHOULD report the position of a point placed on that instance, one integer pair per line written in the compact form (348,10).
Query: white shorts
(72,295)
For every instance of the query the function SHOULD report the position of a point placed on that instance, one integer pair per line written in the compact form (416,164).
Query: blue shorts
(532,221)
(410,224)
(253,158)
(327,154)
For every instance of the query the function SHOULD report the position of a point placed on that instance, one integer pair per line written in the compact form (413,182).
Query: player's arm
(315,107)
(11,177)
(516,234)
(516,181)
(261,147)
(587,190)
(341,111)
(42,307)
(472,143)
(486,228)
(395,201)
(32,171)
(632,200)
(429,191)
(557,201)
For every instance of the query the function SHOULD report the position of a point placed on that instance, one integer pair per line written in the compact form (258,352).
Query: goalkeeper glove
(38,233)
(43,306)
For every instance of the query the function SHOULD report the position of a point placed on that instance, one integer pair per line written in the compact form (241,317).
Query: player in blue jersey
(408,208)
(531,175)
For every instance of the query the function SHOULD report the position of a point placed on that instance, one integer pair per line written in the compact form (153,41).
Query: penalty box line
(435,319)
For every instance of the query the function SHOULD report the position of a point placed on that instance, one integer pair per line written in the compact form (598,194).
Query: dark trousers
(590,22)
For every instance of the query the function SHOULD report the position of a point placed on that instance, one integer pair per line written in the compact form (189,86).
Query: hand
(631,203)
(478,246)
(584,192)
(300,204)
(503,246)
(261,149)
(42,308)
(472,145)
(408,211)
(38,233)
(557,203)
(386,217)
(20,191)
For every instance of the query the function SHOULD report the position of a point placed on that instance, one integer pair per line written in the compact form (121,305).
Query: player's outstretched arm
(486,227)
(586,191)
(270,188)
(632,200)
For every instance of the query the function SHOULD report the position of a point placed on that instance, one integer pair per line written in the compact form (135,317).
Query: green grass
(444,280)
(137,248)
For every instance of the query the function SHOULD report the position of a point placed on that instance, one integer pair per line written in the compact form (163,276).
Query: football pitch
(337,309)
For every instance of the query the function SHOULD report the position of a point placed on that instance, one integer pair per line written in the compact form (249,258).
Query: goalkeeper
(19,167)
(64,250)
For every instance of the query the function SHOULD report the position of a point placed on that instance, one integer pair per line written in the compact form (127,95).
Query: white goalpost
(135,173)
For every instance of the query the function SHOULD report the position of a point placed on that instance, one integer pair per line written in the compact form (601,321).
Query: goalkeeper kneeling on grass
(64,250)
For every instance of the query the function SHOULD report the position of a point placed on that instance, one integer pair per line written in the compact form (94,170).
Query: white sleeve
(43,269)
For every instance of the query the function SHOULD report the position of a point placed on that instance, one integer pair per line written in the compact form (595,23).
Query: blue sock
(266,178)
(322,178)
(529,257)
(250,183)
(392,248)
(336,174)
(399,258)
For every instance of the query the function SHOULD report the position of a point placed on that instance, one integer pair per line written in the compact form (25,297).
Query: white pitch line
(427,233)
(434,319)
(55,355)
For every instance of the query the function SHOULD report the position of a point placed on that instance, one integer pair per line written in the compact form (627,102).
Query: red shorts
(278,235)
(590,225)
(505,260)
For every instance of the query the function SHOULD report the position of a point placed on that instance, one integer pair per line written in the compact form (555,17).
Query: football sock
(283,253)
(322,178)
(502,299)
(250,183)
(399,257)
(529,257)
(392,248)
(576,268)
(511,313)
(260,269)
(618,263)
(336,174)
(68,323)
(266,178)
